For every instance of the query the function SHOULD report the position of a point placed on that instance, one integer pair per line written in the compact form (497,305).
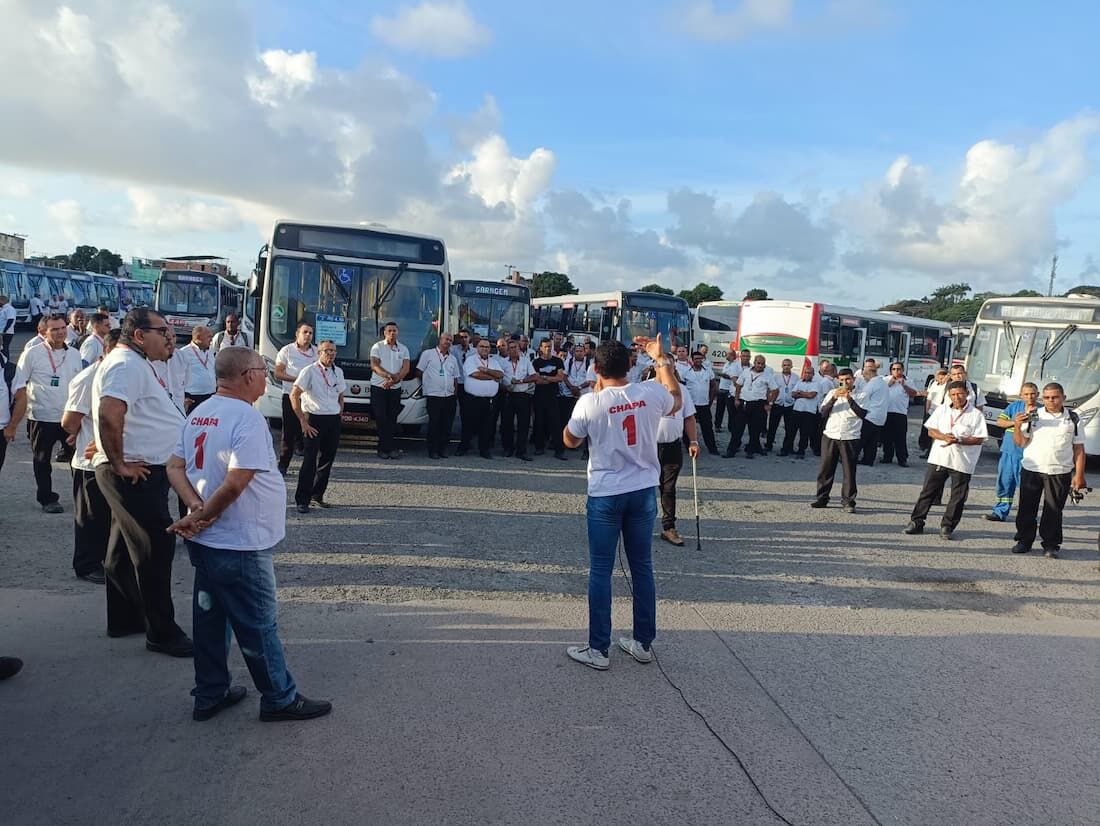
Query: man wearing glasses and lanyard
(318,401)
(439,373)
(136,425)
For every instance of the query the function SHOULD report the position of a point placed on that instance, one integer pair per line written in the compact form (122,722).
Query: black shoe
(181,647)
(784,453)
(9,667)
(914,527)
(434,455)
(486,455)
(115,633)
(1050,553)
(945,533)
(1021,548)
(848,508)
(442,454)
(53,507)
(523,457)
(768,448)
(749,455)
(301,709)
(321,503)
(561,456)
(817,453)
(992,517)
(460,452)
(302,508)
(902,464)
(867,464)
(95,577)
(508,454)
(712,452)
(801,454)
(819,503)
(729,454)
(232,697)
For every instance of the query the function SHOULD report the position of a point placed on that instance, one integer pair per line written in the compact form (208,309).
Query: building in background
(143,269)
(12,247)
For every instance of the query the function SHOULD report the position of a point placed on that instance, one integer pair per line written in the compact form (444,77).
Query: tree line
(954,303)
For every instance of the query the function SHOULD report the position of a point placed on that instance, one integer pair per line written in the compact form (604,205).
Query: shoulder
(403,350)
(283,353)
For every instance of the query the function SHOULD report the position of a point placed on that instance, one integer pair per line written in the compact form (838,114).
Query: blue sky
(848,150)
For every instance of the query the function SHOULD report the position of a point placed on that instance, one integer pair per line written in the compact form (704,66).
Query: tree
(656,288)
(552,283)
(700,292)
(951,293)
(756,294)
(1084,289)
(87,257)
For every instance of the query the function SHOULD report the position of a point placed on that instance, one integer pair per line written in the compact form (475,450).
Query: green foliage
(700,292)
(950,303)
(552,283)
(756,294)
(1084,289)
(656,288)
(87,257)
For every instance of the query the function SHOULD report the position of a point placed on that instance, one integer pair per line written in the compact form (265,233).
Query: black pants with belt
(779,415)
(43,436)
(932,492)
(804,425)
(548,426)
(894,438)
(319,455)
(515,419)
(139,556)
(868,442)
(91,523)
(1053,490)
(706,428)
(292,433)
(721,405)
(833,452)
(386,405)
(737,422)
(755,418)
(441,418)
(5,346)
(671,457)
(479,422)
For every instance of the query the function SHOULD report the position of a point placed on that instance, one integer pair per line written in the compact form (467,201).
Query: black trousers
(924,441)
(755,417)
(139,556)
(43,436)
(721,404)
(3,451)
(548,424)
(779,415)
(671,457)
(706,428)
(804,424)
(195,399)
(894,441)
(386,405)
(834,451)
(1053,490)
(292,433)
(868,442)
(5,346)
(934,480)
(91,523)
(441,418)
(515,421)
(319,455)
(737,422)
(500,404)
(479,422)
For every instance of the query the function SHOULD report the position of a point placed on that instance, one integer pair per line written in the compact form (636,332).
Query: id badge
(55,381)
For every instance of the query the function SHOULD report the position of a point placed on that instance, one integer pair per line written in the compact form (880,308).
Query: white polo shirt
(46,374)
(576,372)
(962,423)
(391,359)
(91,349)
(321,388)
(521,369)
(698,385)
(226,339)
(730,371)
(873,396)
(825,383)
(294,360)
(80,401)
(37,306)
(36,341)
(804,405)
(755,386)
(1050,443)
(7,318)
(937,394)
(71,336)
(484,388)
(671,427)
(198,367)
(228,434)
(151,428)
(785,384)
(173,375)
(621,425)
(843,424)
(438,372)
(897,400)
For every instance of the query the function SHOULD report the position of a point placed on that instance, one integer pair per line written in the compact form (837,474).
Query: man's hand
(1079,482)
(1021,418)
(652,346)
(9,433)
(308,430)
(134,471)
(70,440)
(693,450)
(950,438)
(190,525)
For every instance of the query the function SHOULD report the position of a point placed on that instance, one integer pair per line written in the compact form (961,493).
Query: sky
(852,151)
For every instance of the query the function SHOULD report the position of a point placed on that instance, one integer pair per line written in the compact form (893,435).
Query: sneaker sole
(279,717)
(629,650)
(589,663)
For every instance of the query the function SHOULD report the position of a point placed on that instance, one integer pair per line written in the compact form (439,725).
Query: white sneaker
(587,656)
(635,650)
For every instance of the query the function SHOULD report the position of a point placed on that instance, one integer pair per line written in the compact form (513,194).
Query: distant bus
(188,298)
(16,286)
(1041,340)
(808,331)
(134,293)
(613,316)
(107,292)
(46,282)
(490,308)
(715,325)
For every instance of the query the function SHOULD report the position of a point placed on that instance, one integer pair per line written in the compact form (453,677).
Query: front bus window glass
(415,304)
(301,291)
(507,317)
(1075,364)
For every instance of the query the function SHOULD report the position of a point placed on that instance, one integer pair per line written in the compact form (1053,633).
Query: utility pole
(1053,271)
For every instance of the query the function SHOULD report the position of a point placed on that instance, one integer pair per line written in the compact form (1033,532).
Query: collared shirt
(756,386)
(80,401)
(521,369)
(633,375)
(46,373)
(682,369)
(36,341)
(698,386)
(390,359)
(321,388)
(37,306)
(151,426)
(198,365)
(873,396)
(843,424)
(295,360)
(937,394)
(671,427)
(461,354)
(785,384)
(804,405)
(173,375)
(91,349)
(825,383)
(897,400)
(481,387)
(72,337)
(225,339)
(438,372)
(576,373)
(7,318)
(961,423)
(1051,438)
(730,372)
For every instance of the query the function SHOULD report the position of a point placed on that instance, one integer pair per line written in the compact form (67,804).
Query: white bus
(187,298)
(715,325)
(612,316)
(808,331)
(347,281)
(134,293)
(490,308)
(1041,340)
(15,285)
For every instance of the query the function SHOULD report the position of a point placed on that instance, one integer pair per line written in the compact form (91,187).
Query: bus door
(852,345)
(857,365)
(903,353)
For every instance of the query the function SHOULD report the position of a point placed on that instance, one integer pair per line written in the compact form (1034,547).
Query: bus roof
(836,309)
(608,296)
(359,225)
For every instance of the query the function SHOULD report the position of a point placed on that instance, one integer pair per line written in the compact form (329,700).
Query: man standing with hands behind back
(389,361)
(318,401)
(289,362)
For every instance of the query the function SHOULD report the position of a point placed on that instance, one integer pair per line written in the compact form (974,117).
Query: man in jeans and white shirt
(620,420)
(318,400)
(389,360)
(439,373)
(224,469)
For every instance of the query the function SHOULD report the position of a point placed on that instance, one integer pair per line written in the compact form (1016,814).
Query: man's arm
(71,421)
(177,478)
(404,371)
(228,492)
(303,417)
(112,422)
(17,413)
(693,436)
(1079,466)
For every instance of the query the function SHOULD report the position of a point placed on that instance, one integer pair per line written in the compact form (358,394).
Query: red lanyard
(324,374)
(203,361)
(160,381)
(954,419)
(49,355)
(309,354)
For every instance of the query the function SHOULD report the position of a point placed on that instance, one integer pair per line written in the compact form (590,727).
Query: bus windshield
(337,302)
(182,298)
(718,318)
(499,316)
(1074,363)
(674,327)
(83,293)
(108,296)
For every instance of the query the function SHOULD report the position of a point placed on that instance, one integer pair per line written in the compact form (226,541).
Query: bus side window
(554,321)
(609,322)
(829,336)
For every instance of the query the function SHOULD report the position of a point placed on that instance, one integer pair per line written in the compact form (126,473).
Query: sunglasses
(162,330)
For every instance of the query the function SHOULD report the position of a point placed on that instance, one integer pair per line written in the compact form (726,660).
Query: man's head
(578,352)
(746,357)
(807,371)
(513,349)
(681,353)
(110,340)
(524,343)
(502,346)
(870,368)
(823,367)
(147,331)
(462,339)
(201,336)
(696,360)
(1054,397)
(77,320)
(483,348)
(303,336)
(556,335)
(758,364)
(445,341)
(612,360)
(1029,394)
(846,378)
(957,392)
(897,370)
(326,352)
(544,348)
(958,373)
(786,365)
(232,324)
(240,373)
(704,350)
(389,332)
(3,300)
(40,328)
(941,375)
(475,337)
(100,324)
(55,330)
(589,347)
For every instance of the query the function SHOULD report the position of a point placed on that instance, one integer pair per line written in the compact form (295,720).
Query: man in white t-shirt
(702,387)
(783,407)
(7,325)
(439,372)
(77,329)
(840,442)
(389,360)
(736,363)
(318,399)
(37,309)
(756,390)
(621,421)
(935,394)
(91,515)
(895,433)
(92,346)
(197,362)
(483,376)
(958,430)
(1053,464)
(873,396)
(231,336)
(289,362)
(136,426)
(223,467)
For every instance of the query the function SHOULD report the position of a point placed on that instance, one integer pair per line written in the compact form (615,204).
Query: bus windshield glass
(187,298)
(1074,363)
(107,296)
(718,318)
(83,293)
(674,326)
(500,316)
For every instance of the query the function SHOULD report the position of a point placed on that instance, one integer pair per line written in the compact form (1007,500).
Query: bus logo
(345,275)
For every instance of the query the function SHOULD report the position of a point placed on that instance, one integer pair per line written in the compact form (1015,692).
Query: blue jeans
(632,515)
(235,594)
(1008,478)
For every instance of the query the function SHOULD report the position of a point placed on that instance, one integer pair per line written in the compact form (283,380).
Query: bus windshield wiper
(1055,346)
(326,267)
(1013,340)
(390,285)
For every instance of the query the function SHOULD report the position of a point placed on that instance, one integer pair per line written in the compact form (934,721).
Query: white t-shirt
(874,397)
(756,386)
(825,383)
(621,426)
(1050,443)
(37,306)
(7,318)
(321,388)
(80,401)
(481,387)
(36,341)
(897,400)
(730,372)
(804,405)
(937,394)
(71,336)
(785,385)
(576,373)
(5,402)
(294,360)
(390,358)
(225,339)
(227,434)
(671,427)
(91,349)
(698,385)
(173,375)
(198,367)
(151,427)
(460,356)
(961,423)
(46,374)
(438,372)
(843,424)
(520,370)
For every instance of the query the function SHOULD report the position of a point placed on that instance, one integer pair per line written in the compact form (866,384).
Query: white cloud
(439,29)
(497,177)
(69,217)
(285,75)
(704,20)
(157,212)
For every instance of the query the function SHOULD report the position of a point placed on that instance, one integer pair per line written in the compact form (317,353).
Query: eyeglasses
(162,330)
(248,370)
(327,352)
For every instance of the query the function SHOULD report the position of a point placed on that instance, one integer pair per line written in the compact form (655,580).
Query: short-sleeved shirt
(481,387)
(730,372)
(621,426)
(294,360)
(1051,438)
(842,425)
(897,400)
(321,388)
(173,376)
(671,427)
(873,396)
(810,405)
(576,372)
(80,401)
(46,373)
(5,400)
(91,349)
(962,423)
(756,386)
(390,358)
(937,394)
(547,367)
(698,385)
(38,306)
(520,370)
(225,434)
(438,372)
(151,427)
(198,367)
(225,339)
(1008,443)
(785,385)
(72,337)
(7,318)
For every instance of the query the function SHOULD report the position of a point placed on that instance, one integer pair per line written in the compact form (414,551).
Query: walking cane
(695,491)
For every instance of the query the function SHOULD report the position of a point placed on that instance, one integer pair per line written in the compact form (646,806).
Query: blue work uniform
(1008,468)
